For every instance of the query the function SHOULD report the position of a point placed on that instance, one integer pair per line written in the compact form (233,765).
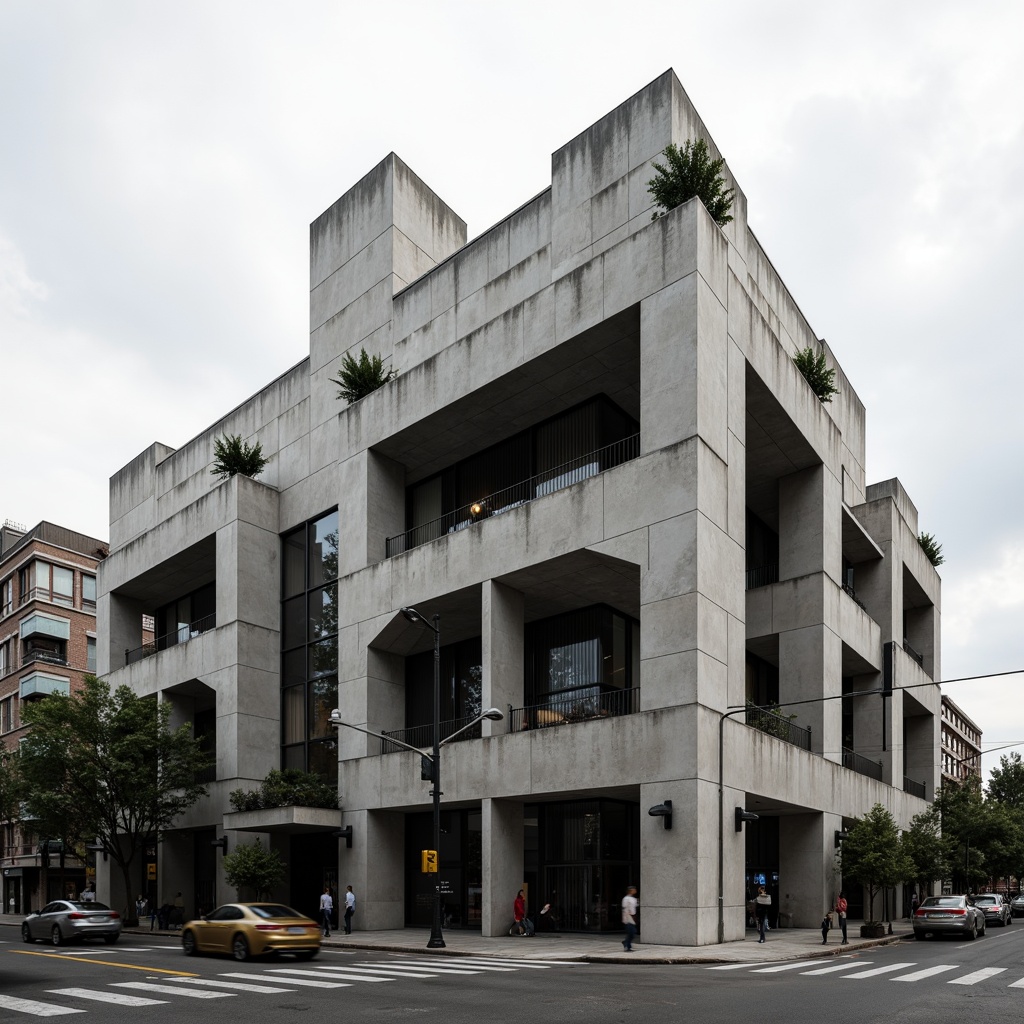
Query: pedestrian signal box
(429,861)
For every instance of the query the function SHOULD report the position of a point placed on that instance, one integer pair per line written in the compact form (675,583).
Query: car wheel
(188,943)
(973,933)
(110,939)
(26,934)
(240,948)
(982,931)
(307,954)
(919,935)
(55,936)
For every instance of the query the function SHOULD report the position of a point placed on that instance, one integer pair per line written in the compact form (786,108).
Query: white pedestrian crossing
(167,990)
(848,965)
(34,1007)
(112,998)
(458,965)
(975,976)
(779,968)
(298,982)
(239,986)
(928,972)
(876,971)
(341,974)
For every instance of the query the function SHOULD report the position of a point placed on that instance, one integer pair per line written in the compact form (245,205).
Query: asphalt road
(147,979)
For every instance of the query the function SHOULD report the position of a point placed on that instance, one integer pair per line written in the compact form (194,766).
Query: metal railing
(422,736)
(862,765)
(916,655)
(586,704)
(48,657)
(521,493)
(762,575)
(848,587)
(179,636)
(774,723)
(913,788)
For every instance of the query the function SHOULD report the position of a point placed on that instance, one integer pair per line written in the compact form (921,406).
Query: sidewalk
(782,944)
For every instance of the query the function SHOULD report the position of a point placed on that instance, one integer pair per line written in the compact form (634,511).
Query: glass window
(88,591)
(294,564)
(7,596)
(323,612)
(293,624)
(63,585)
(90,654)
(294,715)
(293,667)
(323,549)
(323,657)
(323,698)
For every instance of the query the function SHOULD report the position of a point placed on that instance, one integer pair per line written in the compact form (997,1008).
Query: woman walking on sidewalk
(761,905)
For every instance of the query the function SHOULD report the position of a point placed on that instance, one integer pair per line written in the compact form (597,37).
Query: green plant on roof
(932,549)
(816,373)
(232,456)
(358,377)
(691,172)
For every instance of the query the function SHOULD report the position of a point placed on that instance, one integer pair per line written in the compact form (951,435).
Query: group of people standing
(327,910)
(762,908)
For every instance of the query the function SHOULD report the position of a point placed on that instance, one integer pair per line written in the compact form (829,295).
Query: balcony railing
(913,788)
(518,494)
(773,722)
(582,705)
(916,655)
(762,575)
(422,736)
(47,657)
(848,587)
(180,636)
(863,765)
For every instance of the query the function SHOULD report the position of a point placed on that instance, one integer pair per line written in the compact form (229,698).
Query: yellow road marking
(105,963)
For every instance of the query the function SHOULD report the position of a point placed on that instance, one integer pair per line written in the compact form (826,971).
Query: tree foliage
(287,788)
(111,766)
(232,456)
(253,867)
(924,845)
(873,855)
(1006,783)
(818,375)
(691,172)
(358,377)
(932,549)
(11,786)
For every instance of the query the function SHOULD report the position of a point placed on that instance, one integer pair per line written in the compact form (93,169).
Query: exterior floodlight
(840,836)
(742,816)
(663,811)
(222,843)
(346,834)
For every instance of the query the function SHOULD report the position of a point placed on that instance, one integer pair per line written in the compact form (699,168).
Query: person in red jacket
(841,912)
(519,913)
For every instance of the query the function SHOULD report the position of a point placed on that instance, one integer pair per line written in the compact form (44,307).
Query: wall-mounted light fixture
(346,834)
(663,811)
(742,816)
(222,843)
(840,836)
(97,848)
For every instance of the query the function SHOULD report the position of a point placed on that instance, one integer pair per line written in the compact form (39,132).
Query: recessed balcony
(182,634)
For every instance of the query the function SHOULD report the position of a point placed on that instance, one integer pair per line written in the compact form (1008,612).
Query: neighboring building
(601,468)
(47,645)
(961,744)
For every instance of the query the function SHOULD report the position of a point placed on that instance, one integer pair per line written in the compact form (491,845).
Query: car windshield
(985,900)
(274,910)
(89,906)
(943,901)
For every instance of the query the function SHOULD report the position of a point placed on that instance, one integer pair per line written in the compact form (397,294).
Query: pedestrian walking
(915,902)
(178,915)
(326,910)
(519,913)
(88,894)
(841,906)
(629,906)
(826,924)
(350,908)
(140,907)
(762,902)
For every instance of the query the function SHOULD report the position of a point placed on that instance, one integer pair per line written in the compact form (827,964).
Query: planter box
(872,931)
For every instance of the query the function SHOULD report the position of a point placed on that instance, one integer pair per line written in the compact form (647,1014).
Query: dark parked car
(1017,906)
(69,921)
(948,915)
(994,907)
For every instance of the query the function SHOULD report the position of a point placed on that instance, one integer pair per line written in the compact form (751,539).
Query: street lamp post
(436,940)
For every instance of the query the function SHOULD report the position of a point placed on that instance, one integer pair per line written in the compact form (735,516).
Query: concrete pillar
(371,505)
(808,878)
(810,667)
(502,842)
(502,650)
(375,868)
(118,629)
(810,524)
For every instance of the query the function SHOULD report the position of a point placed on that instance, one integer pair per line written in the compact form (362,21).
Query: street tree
(1006,783)
(923,844)
(256,868)
(11,787)
(873,856)
(965,830)
(113,762)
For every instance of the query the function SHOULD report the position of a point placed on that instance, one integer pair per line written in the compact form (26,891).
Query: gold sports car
(252,929)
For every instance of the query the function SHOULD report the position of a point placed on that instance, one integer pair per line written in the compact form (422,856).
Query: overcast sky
(160,166)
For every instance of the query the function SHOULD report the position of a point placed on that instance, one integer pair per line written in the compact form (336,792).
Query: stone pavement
(782,944)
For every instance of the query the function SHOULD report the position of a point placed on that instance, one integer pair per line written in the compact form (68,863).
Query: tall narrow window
(88,593)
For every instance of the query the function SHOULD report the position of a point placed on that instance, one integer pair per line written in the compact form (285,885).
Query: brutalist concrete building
(600,467)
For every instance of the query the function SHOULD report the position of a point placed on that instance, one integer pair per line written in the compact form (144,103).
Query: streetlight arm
(336,722)
(491,713)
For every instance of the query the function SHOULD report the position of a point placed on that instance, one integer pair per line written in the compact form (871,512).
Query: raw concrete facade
(686,328)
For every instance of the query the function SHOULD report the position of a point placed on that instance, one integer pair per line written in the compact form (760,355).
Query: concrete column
(375,868)
(810,667)
(809,881)
(502,648)
(371,507)
(118,629)
(810,524)
(502,843)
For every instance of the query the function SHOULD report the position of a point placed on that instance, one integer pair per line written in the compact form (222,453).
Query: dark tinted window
(274,910)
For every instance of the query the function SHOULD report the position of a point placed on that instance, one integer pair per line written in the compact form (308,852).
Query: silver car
(994,907)
(67,921)
(1017,906)
(953,915)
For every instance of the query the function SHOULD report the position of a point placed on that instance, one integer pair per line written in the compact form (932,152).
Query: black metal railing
(422,736)
(913,788)
(762,575)
(47,657)
(179,636)
(773,722)
(848,587)
(584,704)
(916,655)
(521,493)
(863,765)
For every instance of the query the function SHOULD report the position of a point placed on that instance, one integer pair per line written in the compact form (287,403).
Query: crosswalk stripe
(928,972)
(541,965)
(114,998)
(301,982)
(847,965)
(786,967)
(338,975)
(729,967)
(975,976)
(468,968)
(429,967)
(391,971)
(241,986)
(145,986)
(36,1009)
(1017,984)
(875,971)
